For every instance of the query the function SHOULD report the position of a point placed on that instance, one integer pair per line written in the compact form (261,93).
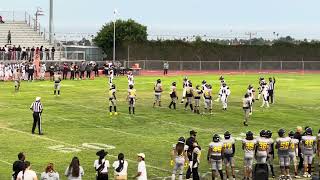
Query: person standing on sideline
(65,71)
(37,109)
(43,69)
(272,81)
(120,168)
(189,143)
(9,37)
(46,50)
(53,50)
(50,173)
(298,135)
(17,79)
(30,72)
(72,71)
(178,158)
(27,173)
(41,53)
(101,166)
(74,171)
(57,79)
(18,165)
(88,70)
(165,68)
(142,171)
(82,69)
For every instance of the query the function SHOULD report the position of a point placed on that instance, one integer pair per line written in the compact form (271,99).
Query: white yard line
(62,142)
(5,162)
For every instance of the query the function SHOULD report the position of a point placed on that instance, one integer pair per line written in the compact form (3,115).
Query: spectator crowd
(22,169)
(13,52)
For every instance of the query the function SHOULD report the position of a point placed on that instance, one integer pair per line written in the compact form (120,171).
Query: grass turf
(80,115)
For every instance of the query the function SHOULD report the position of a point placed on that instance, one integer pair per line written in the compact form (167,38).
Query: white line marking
(5,162)
(61,142)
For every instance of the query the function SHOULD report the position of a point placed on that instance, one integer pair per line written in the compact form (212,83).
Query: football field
(78,122)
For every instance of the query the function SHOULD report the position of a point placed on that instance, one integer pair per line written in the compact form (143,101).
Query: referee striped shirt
(271,85)
(36,107)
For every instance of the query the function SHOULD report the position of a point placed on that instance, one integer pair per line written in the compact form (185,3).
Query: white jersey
(224,91)
(43,68)
(204,87)
(185,84)
(130,79)
(1,70)
(251,93)
(264,90)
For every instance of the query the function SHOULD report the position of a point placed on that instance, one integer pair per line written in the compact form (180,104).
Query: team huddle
(187,153)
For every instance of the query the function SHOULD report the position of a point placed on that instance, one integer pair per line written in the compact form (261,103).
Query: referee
(36,108)
(272,81)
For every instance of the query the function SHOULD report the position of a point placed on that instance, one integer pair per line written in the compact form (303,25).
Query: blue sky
(216,18)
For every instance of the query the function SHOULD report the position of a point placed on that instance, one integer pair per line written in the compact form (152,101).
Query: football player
(207,94)
(249,146)
(262,148)
(197,96)
(1,71)
(308,146)
(246,105)
(185,85)
(111,76)
(17,79)
(261,82)
(57,82)
(179,158)
(270,157)
(224,93)
(264,92)
(157,93)
(131,99)
(189,96)
(204,85)
(214,156)
(294,152)
(282,144)
(194,164)
(173,95)
(130,79)
(43,70)
(112,100)
(229,150)
(251,93)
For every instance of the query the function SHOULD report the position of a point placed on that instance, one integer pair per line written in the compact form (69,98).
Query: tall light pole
(115,12)
(51,22)
(250,34)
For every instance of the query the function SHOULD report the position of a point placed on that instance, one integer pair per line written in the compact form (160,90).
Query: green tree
(127,31)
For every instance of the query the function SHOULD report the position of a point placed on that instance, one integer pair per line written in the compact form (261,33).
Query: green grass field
(81,116)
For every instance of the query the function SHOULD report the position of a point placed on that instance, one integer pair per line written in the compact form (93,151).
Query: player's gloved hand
(171,163)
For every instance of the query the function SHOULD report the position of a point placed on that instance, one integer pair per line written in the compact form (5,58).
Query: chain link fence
(225,65)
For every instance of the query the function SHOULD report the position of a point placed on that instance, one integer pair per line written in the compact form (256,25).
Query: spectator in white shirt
(27,173)
(50,173)
(142,171)
(74,171)
(101,165)
(120,168)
